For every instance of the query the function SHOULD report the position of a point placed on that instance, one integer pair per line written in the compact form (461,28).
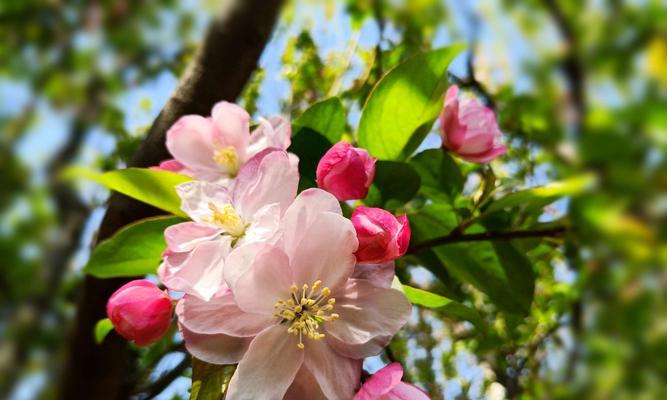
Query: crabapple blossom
(300,317)
(382,236)
(346,171)
(386,384)
(469,129)
(214,149)
(140,311)
(224,219)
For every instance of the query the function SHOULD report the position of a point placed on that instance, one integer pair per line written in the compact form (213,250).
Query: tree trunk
(229,54)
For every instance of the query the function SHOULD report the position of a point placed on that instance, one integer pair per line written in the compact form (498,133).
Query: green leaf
(394,180)
(134,250)
(309,146)
(536,198)
(102,329)
(440,176)
(326,117)
(478,264)
(209,381)
(447,306)
(402,107)
(153,187)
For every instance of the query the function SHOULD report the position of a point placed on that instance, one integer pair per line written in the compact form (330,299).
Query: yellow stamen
(304,313)
(228,158)
(228,219)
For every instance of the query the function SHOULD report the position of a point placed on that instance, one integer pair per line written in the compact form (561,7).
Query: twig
(155,388)
(492,236)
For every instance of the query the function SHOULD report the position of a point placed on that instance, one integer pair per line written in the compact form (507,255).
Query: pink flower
(140,311)
(300,321)
(346,172)
(386,385)
(382,236)
(214,149)
(469,129)
(225,219)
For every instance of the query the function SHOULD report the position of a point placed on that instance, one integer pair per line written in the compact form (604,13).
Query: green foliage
(150,186)
(402,107)
(441,178)
(210,381)
(314,132)
(395,184)
(134,250)
(447,307)
(102,329)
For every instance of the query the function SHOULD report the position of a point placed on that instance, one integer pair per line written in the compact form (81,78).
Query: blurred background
(579,86)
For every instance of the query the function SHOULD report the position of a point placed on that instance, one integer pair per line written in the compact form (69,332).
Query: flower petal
(304,387)
(381,383)
(185,236)
(356,304)
(338,376)
(199,272)
(240,259)
(487,156)
(233,124)
(269,177)
(268,368)
(274,132)
(301,214)
(196,197)
(221,315)
(191,141)
(214,349)
(328,253)
(380,275)
(406,391)
(263,226)
(267,281)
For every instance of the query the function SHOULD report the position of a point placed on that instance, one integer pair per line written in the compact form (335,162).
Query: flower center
(228,158)
(304,310)
(228,219)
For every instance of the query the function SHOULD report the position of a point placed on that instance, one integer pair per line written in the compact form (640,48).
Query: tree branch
(229,54)
(155,388)
(477,237)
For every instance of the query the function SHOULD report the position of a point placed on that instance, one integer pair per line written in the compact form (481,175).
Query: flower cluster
(282,284)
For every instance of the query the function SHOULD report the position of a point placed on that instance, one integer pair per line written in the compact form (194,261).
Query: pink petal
(221,315)
(301,214)
(199,272)
(357,303)
(269,177)
(196,196)
(380,275)
(476,144)
(269,366)
(265,283)
(304,387)
(185,236)
(263,226)
(214,349)
(240,259)
(328,252)
(274,133)
(338,376)
(171,166)
(406,391)
(487,156)
(191,142)
(233,123)
(381,383)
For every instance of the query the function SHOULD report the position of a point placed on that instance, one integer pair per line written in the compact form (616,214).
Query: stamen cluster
(305,311)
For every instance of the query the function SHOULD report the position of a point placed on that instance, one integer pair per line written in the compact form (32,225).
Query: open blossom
(386,384)
(299,319)
(382,236)
(140,311)
(346,172)
(214,149)
(469,129)
(225,219)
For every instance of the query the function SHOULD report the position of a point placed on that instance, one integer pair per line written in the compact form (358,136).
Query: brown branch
(483,236)
(229,54)
(155,388)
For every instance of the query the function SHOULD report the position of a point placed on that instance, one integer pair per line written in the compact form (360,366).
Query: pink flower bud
(469,129)
(346,172)
(387,384)
(140,311)
(382,236)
